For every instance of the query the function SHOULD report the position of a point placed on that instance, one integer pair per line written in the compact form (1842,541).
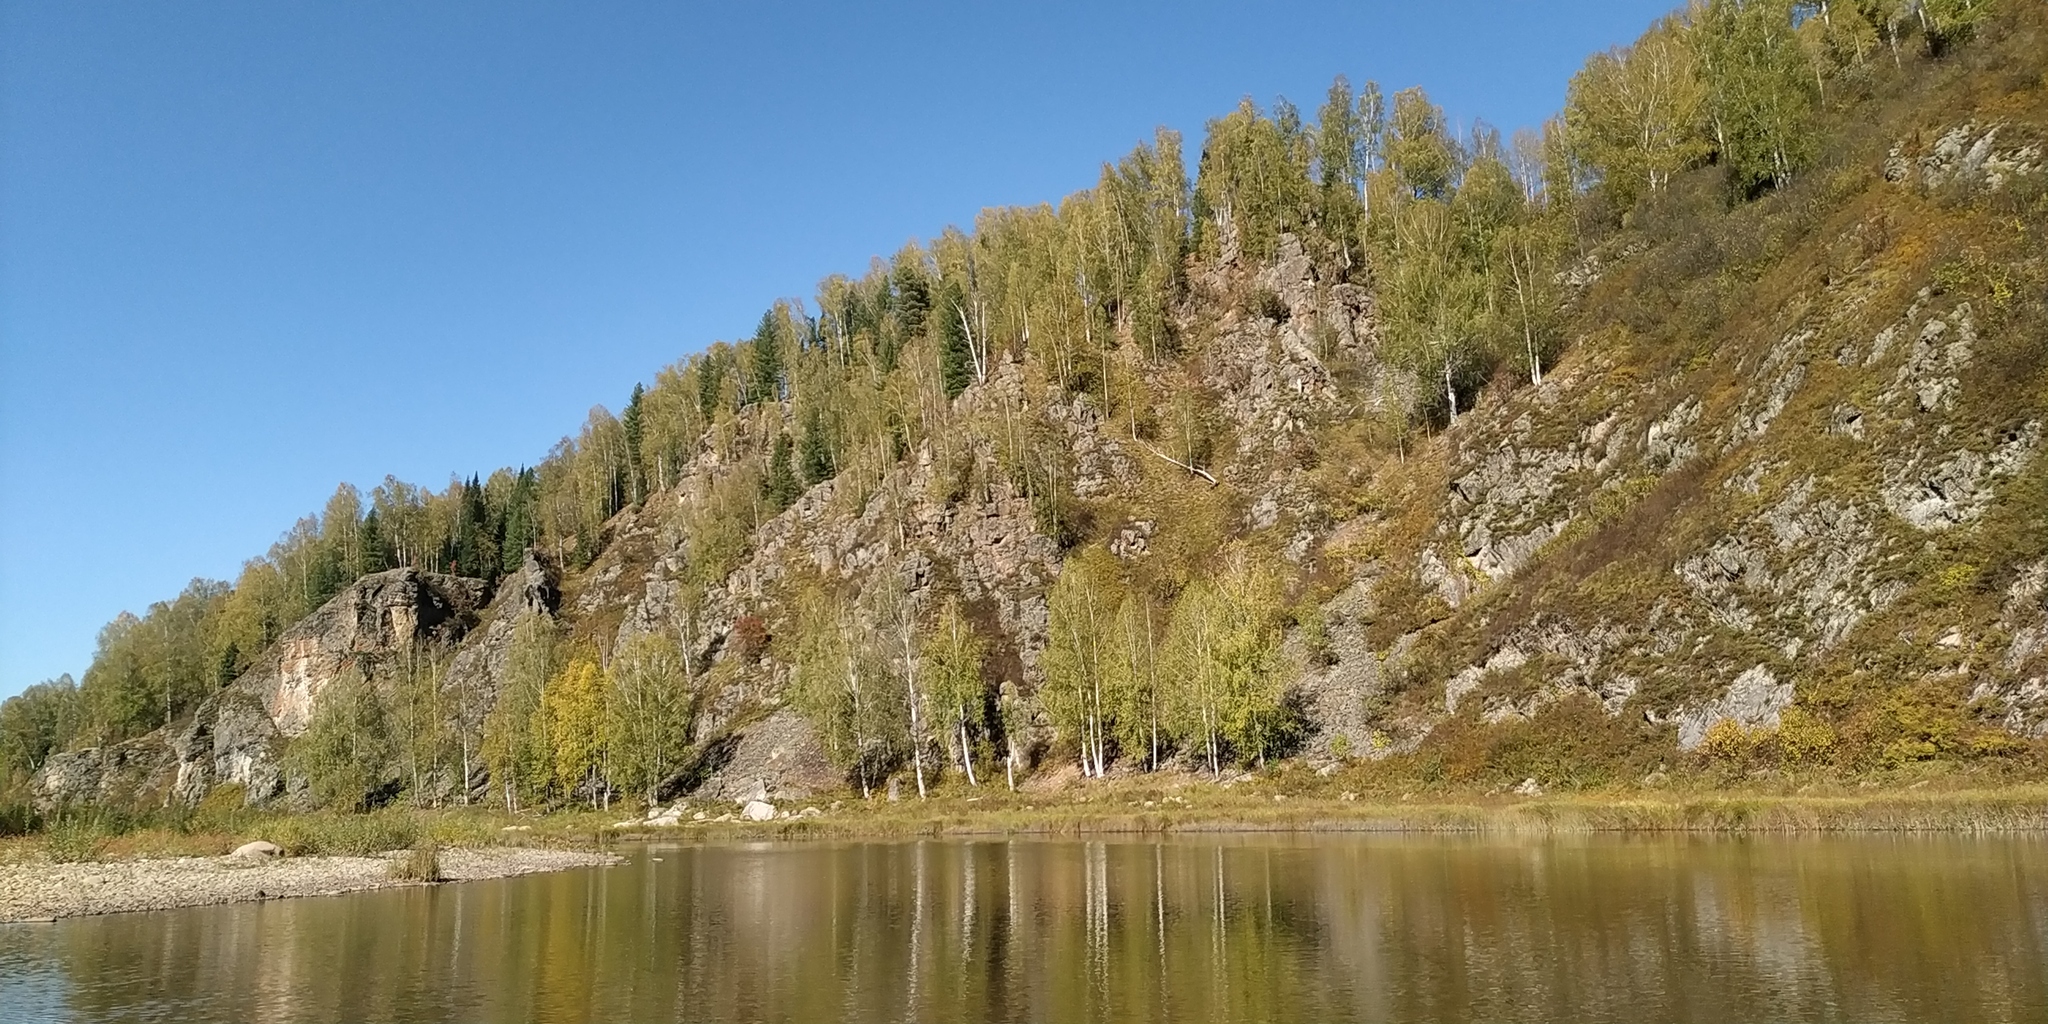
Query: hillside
(1696,435)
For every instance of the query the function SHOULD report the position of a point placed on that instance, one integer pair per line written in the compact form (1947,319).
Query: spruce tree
(520,531)
(765,370)
(956,363)
(780,486)
(376,552)
(710,383)
(815,458)
(634,422)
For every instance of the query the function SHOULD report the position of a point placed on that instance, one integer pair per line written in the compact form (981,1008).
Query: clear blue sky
(248,251)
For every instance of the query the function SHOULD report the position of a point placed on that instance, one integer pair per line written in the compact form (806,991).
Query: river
(1214,929)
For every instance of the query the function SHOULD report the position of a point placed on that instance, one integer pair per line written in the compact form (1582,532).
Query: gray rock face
(230,740)
(780,758)
(1967,154)
(236,736)
(1818,555)
(114,774)
(378,616)
(477,672)
(1935,492)
(1753,701)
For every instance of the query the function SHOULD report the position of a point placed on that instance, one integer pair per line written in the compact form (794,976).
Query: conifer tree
(764,381)
(956,363)
(816,458)
(634,422)
(779,487)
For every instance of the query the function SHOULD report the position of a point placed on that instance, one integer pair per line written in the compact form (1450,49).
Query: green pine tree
(956,363)
(815,457)
(634,422)
(780,486)
(765,370)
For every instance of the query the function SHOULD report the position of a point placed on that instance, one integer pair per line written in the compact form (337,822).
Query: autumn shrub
(76,836)
(19,818)
(422,863)
(1569,743)
(1729,742)
(347,835)
(1803,739)
(749,637)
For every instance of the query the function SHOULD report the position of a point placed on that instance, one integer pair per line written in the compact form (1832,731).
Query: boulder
(777,758)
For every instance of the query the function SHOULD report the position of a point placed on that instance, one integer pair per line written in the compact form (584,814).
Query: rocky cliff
(237,736)
(1782,486)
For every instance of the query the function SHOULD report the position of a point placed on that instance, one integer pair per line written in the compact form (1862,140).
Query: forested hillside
(1695,432)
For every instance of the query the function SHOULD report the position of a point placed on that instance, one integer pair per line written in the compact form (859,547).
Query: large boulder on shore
(777,758)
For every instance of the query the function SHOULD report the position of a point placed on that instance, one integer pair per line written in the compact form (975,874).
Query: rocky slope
(1788,466)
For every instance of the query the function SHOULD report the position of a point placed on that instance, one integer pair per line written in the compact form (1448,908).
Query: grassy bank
(1209,809)
(1136,805)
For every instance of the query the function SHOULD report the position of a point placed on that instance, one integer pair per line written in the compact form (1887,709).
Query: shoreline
(154,870)
(2003,810)
(50,891)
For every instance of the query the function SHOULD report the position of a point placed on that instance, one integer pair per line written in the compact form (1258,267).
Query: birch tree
(952,657)
(649,713)
(1636,114)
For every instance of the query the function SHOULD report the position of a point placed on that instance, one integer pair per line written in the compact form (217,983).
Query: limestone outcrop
(237,736)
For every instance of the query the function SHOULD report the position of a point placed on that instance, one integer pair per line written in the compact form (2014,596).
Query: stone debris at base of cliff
(37,892)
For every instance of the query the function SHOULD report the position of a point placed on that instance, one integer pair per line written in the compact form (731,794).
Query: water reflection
(1214,929)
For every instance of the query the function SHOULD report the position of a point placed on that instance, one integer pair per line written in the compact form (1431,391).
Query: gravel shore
(37,892)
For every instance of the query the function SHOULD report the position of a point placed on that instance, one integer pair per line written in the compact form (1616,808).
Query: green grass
(1285,800)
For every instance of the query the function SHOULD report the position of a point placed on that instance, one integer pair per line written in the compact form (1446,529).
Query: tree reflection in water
(1210,929)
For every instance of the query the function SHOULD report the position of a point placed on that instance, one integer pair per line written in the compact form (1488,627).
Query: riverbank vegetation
(1285,800)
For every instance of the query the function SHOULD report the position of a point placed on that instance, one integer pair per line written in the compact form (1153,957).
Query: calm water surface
(1252,928)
